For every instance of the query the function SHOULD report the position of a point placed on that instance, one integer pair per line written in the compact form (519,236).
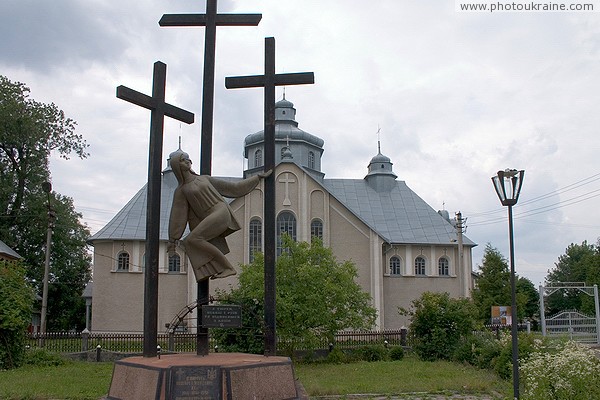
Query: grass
(405,376)
(90,381)
(73,381)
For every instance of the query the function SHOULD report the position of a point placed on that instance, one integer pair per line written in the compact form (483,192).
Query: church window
(311,160)
(258,159)
(174,263)
(316,229)
(286,223)
(395,266)
(123,261)
(419,266)
(443,267)
(254,238)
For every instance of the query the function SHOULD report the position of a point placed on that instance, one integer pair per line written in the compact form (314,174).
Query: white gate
(572,324)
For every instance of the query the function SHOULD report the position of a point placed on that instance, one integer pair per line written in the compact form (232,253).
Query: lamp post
(508,186)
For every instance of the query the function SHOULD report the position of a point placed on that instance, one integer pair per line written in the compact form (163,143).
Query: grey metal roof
(130,222)
(4,249)
(398,215)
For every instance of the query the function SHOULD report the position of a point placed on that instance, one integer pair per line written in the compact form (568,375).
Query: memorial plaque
(195,383)
(221,316)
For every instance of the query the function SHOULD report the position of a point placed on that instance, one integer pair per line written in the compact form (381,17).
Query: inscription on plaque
(195,383)
(221,316)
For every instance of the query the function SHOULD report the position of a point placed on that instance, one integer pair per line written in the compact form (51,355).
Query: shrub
(16,299)
(396,353)
(572,373)
(337,356)
(438,322)
(43,358)
(376,352)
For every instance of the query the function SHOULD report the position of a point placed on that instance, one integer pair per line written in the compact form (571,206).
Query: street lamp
(508,186)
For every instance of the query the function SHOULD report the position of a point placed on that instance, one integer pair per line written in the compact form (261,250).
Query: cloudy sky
(457,97)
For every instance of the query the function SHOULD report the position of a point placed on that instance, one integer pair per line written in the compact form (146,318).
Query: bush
(527,343)
(43,358)
(396,353)
(480,350)
(572,373)
(16,299)
(336,356)
(438,322)
(376,352)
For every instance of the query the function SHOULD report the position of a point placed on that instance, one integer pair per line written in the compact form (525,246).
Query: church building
(400,245)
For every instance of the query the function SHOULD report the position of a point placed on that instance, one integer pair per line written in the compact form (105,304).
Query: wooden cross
(210,20)
(269,80)
(159,109)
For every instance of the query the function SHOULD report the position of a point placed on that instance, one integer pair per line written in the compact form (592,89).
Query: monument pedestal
(218,376)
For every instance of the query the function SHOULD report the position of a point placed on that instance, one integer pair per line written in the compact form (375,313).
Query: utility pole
(461,271)
(47,187)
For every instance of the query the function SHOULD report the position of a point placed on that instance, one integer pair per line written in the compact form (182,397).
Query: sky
(455,96)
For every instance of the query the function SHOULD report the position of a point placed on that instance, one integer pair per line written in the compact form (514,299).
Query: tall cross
(159,109)
(210,20)
(269,80)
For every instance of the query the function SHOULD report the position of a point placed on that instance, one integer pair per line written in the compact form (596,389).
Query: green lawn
(90,381)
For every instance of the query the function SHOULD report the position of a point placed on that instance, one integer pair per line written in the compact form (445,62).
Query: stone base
(218,376)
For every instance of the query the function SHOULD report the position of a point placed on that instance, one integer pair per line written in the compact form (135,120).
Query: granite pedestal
(218,376)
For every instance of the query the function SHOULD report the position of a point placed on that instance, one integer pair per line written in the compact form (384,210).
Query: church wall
(118,302)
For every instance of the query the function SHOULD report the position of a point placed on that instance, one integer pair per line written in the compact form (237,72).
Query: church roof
(5,250)
(398,215)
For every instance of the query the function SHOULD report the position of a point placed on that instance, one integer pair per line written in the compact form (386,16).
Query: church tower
(381,177)
(291,143)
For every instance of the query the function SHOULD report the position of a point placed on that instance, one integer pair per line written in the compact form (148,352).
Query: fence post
(528,324)
(85,335)
(171,344)
(98,353)
(403,332)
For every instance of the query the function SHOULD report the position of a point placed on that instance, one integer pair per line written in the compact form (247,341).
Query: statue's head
(178,161)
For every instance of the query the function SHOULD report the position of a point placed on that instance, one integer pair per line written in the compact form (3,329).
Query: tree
(16,300)
(29,132)
(580,263)
(493,288)
(438,323)
(493,283)
(316,296)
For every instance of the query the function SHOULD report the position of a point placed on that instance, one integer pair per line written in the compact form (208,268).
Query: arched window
(311,160)
(123,261)
(254,238)
(316,229)
(286,223)
(443,267)
(395,266)
(419,266)
(258,158)
(174,263)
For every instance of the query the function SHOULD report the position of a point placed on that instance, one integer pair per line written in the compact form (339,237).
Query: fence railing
(73,342)
(182,342)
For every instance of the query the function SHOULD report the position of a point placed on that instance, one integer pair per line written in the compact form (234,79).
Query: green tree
(438,323)
(493,283)
(580,263)
(29,132)
(16,300)
(493,288)
(316,295)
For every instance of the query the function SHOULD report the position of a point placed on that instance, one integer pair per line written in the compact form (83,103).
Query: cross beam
(210,20)
(269,81)
(159,109)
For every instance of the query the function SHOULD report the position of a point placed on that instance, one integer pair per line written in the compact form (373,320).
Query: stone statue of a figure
(198,201)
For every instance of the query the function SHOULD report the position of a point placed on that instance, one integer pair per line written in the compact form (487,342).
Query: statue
(198,201)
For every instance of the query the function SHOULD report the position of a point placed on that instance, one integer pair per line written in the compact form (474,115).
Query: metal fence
(72,342)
